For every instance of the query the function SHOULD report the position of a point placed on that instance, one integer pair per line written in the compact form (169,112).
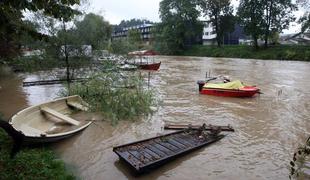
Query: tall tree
(179,27)
(12,25)
(277,16)
(220,14)
(94,30)
(305,19)
(250,13)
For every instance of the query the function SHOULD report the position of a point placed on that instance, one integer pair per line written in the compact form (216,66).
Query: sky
(116,10)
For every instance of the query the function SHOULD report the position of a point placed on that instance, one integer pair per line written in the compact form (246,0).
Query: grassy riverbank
(35,163)
(301,53)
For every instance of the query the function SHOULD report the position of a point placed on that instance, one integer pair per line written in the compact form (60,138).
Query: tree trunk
(218,38)
(255,42)
(66,57)
(268,23)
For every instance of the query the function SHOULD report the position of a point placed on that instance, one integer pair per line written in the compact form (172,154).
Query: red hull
(244,92)
(154,66)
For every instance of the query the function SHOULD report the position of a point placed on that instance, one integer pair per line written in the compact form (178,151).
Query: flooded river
(269,127)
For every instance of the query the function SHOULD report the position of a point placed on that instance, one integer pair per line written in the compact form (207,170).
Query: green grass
(34,163)
(301,53)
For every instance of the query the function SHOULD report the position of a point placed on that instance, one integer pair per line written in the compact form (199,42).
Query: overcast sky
(116,10)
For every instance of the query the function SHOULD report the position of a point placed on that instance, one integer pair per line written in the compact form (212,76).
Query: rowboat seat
(60,116)
(29,129)
(77,105)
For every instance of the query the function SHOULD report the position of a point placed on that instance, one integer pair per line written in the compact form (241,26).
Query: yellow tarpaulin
(230,85)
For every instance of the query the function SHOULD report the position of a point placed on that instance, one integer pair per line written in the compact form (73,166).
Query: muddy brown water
(269,127)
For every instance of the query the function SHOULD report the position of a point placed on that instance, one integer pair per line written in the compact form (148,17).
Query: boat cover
(230,85)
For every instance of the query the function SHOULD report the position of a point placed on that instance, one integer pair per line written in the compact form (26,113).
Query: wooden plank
(163,149)
(130,158)
(29,129)
(77,105)
(155,150)
(188,138)
(168,145)
(208,127)
(182,141)
(60,116)
(145,154)
(177,144)
(139,156)
(50,82)
(153,154)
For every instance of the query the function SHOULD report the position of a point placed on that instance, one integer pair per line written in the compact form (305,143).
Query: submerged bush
(116,95)
(298,164)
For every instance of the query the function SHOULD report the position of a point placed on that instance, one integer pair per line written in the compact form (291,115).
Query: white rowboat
(53,120)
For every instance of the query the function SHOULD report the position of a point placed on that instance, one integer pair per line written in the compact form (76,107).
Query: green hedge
(279,52)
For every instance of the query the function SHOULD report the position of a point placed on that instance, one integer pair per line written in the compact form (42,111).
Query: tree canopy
(13,26)
(180,26)
(221,17)
(250,13)
(305,19)
(94,30)
(276,17)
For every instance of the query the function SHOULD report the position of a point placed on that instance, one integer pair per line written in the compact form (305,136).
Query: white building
(209,35)
(145,31)
(235,37)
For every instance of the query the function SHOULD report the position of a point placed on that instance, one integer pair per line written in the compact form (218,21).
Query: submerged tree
(298,165)
(220,14)
(180,27)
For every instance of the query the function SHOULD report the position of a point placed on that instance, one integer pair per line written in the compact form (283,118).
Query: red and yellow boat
(229,89)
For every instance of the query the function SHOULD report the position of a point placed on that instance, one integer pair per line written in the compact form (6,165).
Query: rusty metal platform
(149,153)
